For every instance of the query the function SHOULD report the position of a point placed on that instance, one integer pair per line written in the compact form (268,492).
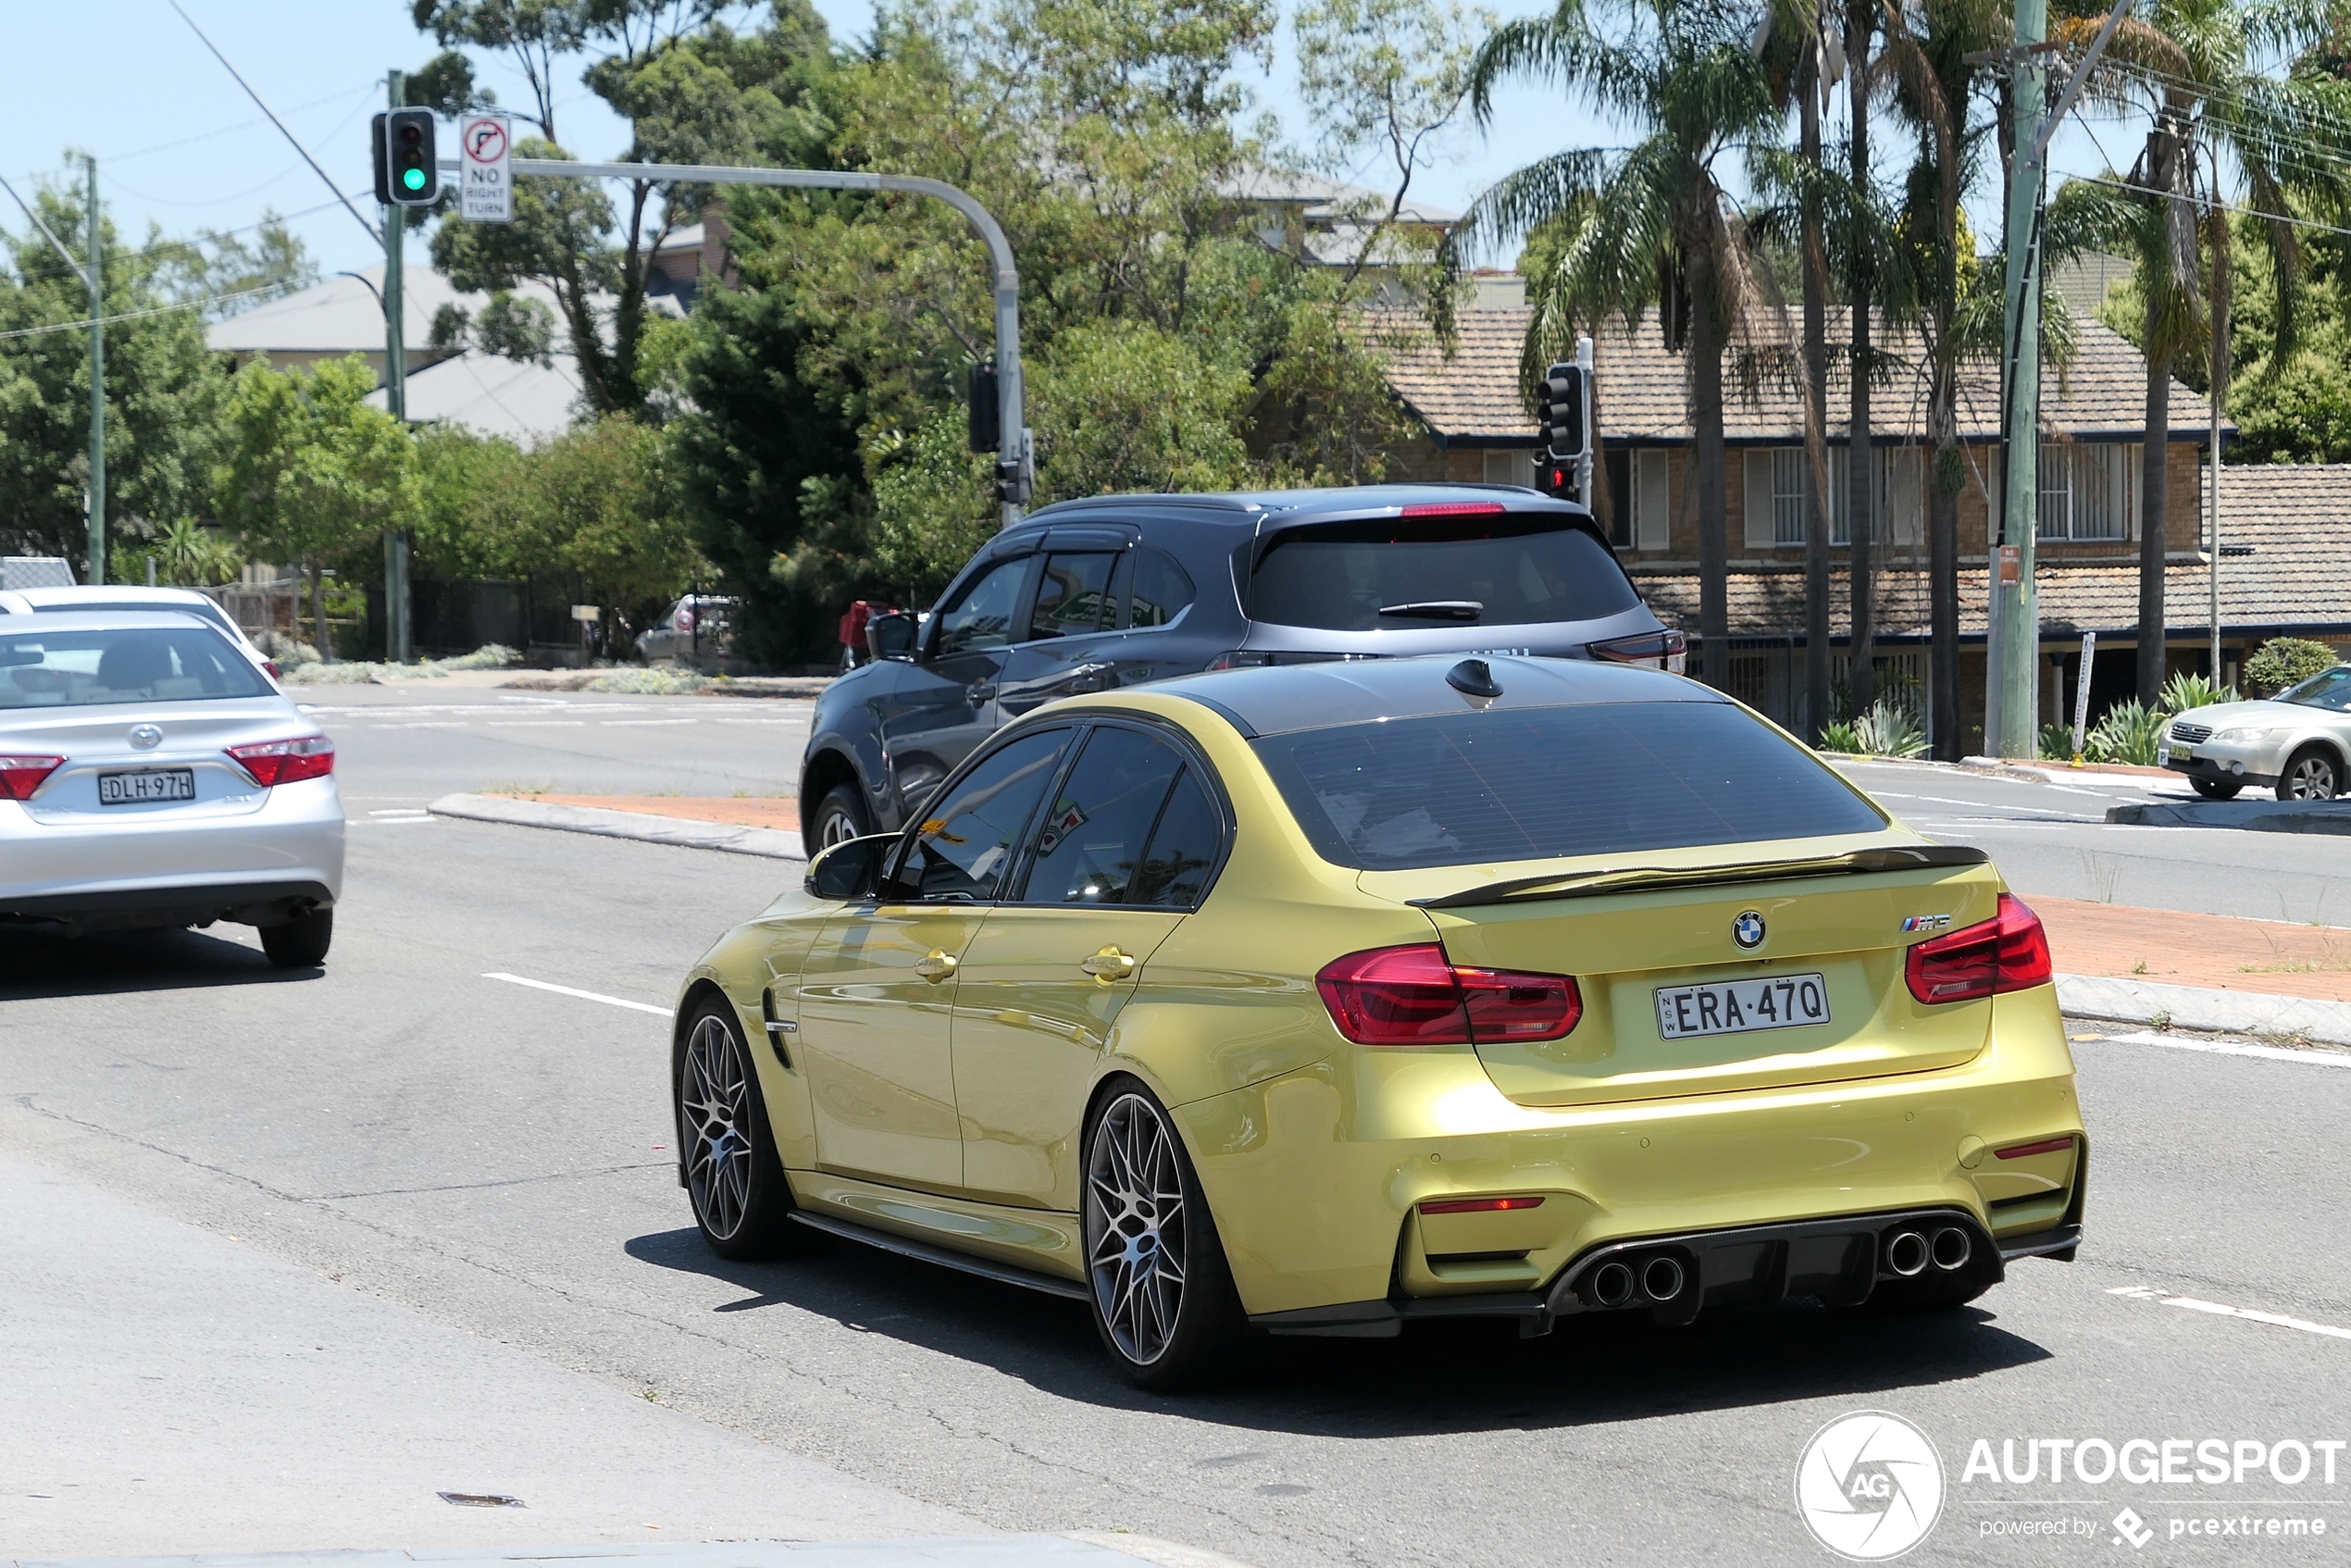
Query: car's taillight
(685,620)
(272,666)
(19,776)
(1658,650)
(2007,953)
(287,762)
(1413,996)
(1453,509)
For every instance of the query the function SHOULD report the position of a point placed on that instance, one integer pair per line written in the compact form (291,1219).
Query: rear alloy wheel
(2216,789)
(300,942)
(841,816)
(2311,774)
(732,1172)
(1162,1293)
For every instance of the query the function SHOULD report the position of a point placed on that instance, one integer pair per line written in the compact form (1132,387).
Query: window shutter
(1758,501)
(1653,506)
(1905,496)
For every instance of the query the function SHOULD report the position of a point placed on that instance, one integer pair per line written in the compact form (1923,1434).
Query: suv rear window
(1534,783)
(1508,570)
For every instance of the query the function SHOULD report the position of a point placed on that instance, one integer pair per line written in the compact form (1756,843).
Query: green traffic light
(414,179)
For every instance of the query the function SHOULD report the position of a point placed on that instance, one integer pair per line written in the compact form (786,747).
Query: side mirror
(891,636)
(850,870)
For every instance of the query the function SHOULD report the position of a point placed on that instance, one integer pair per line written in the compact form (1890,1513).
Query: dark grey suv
(1117,590)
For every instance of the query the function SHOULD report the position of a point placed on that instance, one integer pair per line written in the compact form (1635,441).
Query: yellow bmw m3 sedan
(1313,1000)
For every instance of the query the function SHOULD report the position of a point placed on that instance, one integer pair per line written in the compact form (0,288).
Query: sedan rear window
(41,669)
(1534,783)
(1416,573)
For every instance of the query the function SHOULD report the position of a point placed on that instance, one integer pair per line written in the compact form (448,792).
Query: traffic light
(407,162)
(985,416)
(1562,410)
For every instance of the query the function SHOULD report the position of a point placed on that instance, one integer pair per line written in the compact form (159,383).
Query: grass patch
(519,787)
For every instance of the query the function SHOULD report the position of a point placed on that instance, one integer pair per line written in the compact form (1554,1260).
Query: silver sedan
(152,776)
(2298,741)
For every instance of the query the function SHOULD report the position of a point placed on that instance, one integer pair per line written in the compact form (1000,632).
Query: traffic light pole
(1012,466)
(97,281)
(397,623)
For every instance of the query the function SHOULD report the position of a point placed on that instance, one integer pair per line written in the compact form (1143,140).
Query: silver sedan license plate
(153,784)
(1735,1007)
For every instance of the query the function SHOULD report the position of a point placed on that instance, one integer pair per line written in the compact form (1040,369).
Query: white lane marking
(2276,1320)
(641,723)
(2233,1047)
(427,724)
(537,724)
(584,996)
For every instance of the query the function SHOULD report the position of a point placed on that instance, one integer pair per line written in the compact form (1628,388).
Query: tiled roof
(1473,395)
(2296,520)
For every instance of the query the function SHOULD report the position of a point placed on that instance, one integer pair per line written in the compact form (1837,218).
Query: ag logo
(1748,929)
(1870,1486)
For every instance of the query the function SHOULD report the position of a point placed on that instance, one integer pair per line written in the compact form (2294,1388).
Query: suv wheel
(2310,775)
(841,816)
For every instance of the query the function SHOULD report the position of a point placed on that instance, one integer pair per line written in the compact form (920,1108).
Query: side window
(1073,596)
(1162,589)
(982,615)
(1190,836)
(1091,840)
(960,853)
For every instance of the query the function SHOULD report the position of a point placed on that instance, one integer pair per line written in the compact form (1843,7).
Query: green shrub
(1889,729)
(2184,692)
(2128,733)
(1842,736)
(2285,661)
(2056,742)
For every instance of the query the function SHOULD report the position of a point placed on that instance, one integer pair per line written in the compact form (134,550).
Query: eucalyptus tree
(2200,70)
(1651,222)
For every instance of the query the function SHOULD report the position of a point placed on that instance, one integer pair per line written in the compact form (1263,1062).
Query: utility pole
(398,624)
(2011,706)
(1583,362)
(97,277)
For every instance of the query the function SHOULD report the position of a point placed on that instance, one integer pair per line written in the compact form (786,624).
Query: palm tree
(1932,48)
(2194,65)
(1650,222)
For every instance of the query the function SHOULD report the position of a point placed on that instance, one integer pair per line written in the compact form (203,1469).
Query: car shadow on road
(37,964)
(1436,1378)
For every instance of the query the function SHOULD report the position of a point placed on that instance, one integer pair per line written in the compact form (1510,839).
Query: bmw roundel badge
(1748,929)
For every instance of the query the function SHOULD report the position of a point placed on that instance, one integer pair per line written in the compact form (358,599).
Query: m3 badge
(1919,924)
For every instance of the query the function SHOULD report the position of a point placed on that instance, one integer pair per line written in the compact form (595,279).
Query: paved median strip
(584,996)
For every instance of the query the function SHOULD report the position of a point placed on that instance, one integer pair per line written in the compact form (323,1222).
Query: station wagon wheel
(1163,1297)
(728,1152)
(2217,789)
(2311,774)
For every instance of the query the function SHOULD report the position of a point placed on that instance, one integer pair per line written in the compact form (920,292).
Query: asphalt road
(496,1157)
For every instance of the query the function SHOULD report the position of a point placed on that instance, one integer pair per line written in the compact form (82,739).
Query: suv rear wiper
(1592,884)
(1437,609)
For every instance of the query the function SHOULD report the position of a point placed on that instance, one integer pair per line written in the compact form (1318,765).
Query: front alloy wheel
(732,1173)
(2309,775)
(841,816)
(1163,1297)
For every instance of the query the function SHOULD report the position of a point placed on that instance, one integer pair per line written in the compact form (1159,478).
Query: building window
(1777,489)
(1511,466)
(2088,492)
(1787,495)
(1617,471)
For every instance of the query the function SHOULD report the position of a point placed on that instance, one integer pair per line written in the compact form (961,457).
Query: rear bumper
(243,904)
(1318,1178)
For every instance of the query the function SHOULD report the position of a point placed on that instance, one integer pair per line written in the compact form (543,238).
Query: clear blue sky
(179,144)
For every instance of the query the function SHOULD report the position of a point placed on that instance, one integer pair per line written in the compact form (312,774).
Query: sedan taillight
(1413,996)
(2007,953)
(1657,650)
(287,762)
(19,776)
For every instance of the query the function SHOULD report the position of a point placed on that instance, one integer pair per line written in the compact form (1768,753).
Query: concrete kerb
(2115,1000)
(773,844)
(2251,816)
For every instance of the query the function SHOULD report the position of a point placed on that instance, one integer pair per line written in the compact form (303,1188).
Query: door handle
(983,692)
(934,965)
(1108,965)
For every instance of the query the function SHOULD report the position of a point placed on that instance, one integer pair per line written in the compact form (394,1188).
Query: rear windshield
(1532,783)
(42,669)
(1416,573)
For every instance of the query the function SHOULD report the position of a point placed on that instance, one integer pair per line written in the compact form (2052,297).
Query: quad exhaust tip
(1952,1249)
(1612,1285)
(1661,1279)
(1906,1254)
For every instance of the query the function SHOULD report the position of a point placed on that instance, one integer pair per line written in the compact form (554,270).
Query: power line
(141,315)
(204,236)
(368,87)
(2221,206)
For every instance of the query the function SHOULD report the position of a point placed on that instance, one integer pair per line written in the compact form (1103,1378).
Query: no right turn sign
(485,189)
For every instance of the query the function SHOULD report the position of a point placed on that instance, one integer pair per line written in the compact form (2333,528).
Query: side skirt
(906,1246)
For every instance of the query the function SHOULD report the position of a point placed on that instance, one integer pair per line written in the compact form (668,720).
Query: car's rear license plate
(1735,1007)
(152,784)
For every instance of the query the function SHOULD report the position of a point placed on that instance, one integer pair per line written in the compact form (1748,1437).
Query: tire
(300,942)
(2216,789)
(839,817)
(1160,1288)
(733,1175)
(2311,774)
